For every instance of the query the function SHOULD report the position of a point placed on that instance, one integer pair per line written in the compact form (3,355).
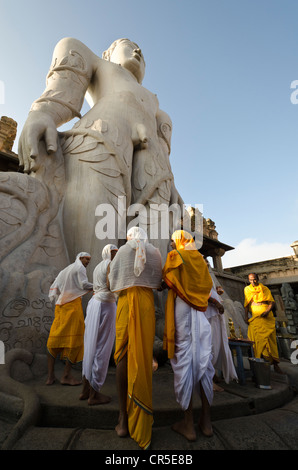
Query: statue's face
(130,56)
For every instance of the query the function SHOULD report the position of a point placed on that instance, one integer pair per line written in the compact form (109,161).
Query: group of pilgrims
(121,315)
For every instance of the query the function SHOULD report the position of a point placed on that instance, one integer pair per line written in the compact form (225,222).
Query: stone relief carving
(209,229)
(291,307)
(288,297)
(33,250)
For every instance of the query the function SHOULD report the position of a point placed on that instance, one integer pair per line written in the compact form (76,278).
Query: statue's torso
(119,98)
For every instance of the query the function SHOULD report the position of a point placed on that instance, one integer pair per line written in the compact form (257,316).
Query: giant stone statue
(80,187)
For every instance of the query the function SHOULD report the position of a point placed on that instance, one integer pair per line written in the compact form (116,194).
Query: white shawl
(71,282)
(101,291)
(137,263)
(137,240)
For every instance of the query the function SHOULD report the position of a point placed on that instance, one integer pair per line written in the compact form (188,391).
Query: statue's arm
(70,74)
(164,130)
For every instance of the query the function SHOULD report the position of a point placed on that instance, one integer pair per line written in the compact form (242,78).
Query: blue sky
(222,69)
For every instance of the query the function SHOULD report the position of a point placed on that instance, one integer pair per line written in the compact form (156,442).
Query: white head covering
(83,254)
(71,282)
(137,240)
(101,291)
(106,252)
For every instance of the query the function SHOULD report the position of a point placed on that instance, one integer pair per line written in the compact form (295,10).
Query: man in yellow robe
(134,272)
(67,331)
(187,335)
(259,301)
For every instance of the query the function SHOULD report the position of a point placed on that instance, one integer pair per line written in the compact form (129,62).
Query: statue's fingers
(51,140)
(32,144)
(27,165)
(25,150)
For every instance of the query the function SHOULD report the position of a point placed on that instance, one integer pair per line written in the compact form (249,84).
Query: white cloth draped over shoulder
(71,283)
(137,264)
(137,239)
(100,288)
(192,361)
(222,356)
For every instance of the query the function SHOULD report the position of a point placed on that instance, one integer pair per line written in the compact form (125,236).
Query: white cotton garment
(222,356)
(71,282)
(212,311)
(137,239)
(192,361)
(100,288)
(99,337)
(122,269)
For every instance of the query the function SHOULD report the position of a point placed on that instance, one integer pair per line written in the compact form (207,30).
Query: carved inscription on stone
(26,323)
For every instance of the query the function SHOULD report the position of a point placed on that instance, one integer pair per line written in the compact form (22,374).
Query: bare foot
(154,365)
(70,380)
(205,427)
(217,388)
(186,430)
(51,380)
(84,395)
(98,399)
(122,427)
(278,369)
(86,390)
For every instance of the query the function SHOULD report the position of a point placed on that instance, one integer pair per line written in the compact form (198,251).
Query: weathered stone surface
(8,132)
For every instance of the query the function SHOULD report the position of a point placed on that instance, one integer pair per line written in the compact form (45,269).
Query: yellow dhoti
(135,330)
(262,331)
(67,332)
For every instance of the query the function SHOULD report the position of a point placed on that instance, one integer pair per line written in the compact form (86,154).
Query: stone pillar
(217,262)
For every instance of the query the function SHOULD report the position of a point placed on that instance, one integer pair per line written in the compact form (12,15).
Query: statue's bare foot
(186,430)
(98,399)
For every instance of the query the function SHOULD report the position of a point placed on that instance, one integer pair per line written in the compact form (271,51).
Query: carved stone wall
(32,252)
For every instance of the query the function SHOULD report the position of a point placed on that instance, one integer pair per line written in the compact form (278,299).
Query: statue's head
(127,54)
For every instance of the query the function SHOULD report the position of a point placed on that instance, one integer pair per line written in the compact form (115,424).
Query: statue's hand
(39,126)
